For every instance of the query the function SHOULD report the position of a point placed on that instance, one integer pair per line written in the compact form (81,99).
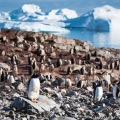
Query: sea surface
(99,39)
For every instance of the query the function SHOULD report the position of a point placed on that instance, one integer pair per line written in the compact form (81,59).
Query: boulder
(4,65)
(20,39)
(21,87)
(63,118)
(44,104)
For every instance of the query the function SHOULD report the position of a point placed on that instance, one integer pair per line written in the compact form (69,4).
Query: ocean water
(107,39)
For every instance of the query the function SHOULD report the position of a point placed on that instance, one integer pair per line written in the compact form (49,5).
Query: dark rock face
(18,104)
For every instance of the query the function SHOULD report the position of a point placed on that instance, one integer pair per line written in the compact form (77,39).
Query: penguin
(107,78)
(69,71)
(69,62)
(51,67)
(41,67)
(116,62)
(88,56)
(71,52)
(31,70)
(15,69)
(72,60)
(33,88)
(49,61)
(1,70)
(101,65)
(34,65)
(79,62)
(81,83)
(91,71)
(98,90)
(68,83)
(76,79)
(115,91)
(112,65)
(75,51)
(61,56)
(11,79)
(3,76)
(29,59)
(82,70)
(42,59)
(59,62)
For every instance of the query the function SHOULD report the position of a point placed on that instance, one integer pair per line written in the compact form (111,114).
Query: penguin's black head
(34,75)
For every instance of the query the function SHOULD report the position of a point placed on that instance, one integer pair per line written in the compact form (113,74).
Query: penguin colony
(41,60)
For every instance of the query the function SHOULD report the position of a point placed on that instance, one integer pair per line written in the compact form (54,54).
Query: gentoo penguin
(68,83)
(72,60)
(33,88)
(107,78)
(69,71)
(115,91)
(98,91)
(81,83)
(76,79)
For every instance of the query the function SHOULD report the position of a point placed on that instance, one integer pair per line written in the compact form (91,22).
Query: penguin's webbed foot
(34,100)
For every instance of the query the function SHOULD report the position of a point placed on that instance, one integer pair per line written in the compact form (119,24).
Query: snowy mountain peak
(30,8)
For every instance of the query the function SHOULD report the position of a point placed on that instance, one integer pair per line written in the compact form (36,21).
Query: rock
(30,110)
(24,118)
(71,93)
(7,87)
(4,65)
(2,52)
(42,39)
(63,118)
(117,101)
(117,113)
(63,91)
(20,39)
(48,90)
(18,104)
(58,95)
(21,87)
(53,54)
(43,104)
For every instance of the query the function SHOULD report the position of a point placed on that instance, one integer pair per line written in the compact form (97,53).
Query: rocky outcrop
(43,104)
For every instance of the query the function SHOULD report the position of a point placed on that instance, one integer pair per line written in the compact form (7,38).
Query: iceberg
(30,17)
(101,18)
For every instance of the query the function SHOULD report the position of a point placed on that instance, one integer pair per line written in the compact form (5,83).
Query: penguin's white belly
(114,91)
(98,93)
(34,87)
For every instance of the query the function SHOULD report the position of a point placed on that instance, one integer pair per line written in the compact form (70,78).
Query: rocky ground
(56,103)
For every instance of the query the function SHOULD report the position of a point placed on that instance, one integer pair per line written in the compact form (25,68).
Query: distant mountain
(100,18)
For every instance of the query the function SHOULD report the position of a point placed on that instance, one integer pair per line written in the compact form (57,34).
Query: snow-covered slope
(100,18)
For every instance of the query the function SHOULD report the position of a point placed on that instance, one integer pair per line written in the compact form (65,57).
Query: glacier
(103,18)
(30,17)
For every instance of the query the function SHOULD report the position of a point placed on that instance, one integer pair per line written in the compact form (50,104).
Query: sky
(80,6)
